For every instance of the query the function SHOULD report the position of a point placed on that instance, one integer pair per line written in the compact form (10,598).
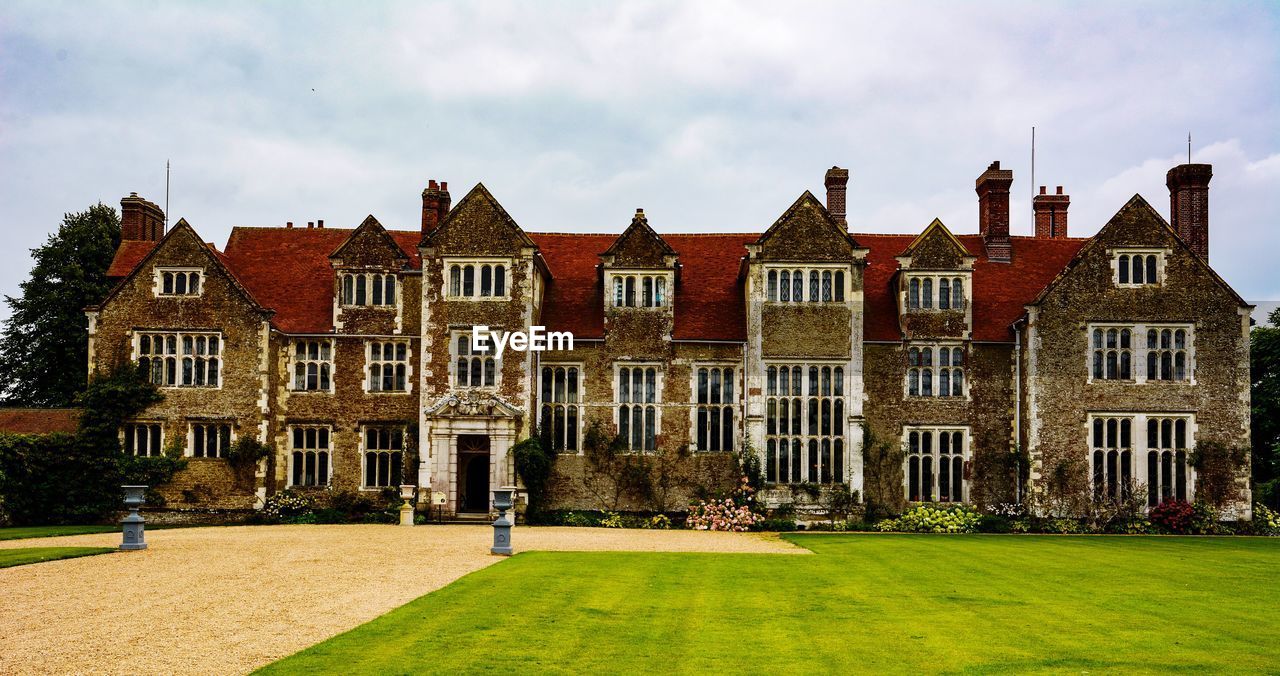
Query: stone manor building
(929,367)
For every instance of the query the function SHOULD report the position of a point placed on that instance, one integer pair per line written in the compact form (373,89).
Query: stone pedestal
(134,525)
(406,510)
(502,501)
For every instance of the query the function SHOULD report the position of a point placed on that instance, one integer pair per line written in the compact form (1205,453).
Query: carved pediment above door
(472,404)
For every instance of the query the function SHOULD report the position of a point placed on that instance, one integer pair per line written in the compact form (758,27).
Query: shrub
(776,525)
(659,522)
(990,523)
(1173,516)
(723,515)
(934,518)
(1064,526)
(534,465)
(580,519)
(1205,520)
(286,505)
(1265,520)
(612,520)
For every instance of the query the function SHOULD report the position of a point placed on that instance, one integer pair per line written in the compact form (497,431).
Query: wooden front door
(473,473)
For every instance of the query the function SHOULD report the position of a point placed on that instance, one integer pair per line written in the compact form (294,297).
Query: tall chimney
(140,219)
(837,181)
(435,204)
(993,210)
(1189,204)
(1051,214)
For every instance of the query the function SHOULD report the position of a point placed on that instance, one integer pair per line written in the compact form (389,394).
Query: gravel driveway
(228,600)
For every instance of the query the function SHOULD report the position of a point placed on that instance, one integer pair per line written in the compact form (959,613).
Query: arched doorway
(473,473)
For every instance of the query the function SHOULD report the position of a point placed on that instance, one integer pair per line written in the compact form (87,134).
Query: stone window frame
(662,283)
(573,409)
(934,281)
(294,362)
(1139,351)
(223,444)
(656,404)
(364,451)
(327,451)
(930,435)
(833,290)
(1128,252)
(374,279)
(790,449)
(152,426)
(173,363)
(455,338)
(935,369)
(370,362)
(449,264)
(733,408)
(159,280)
(1139,450)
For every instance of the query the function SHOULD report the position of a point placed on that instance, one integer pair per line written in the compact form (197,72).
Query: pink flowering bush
(730,514)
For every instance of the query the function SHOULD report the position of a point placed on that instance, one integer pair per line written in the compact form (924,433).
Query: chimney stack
(1189,204)
(435,205)
(993,211)
(140,219)
(837,181)
(1051,214)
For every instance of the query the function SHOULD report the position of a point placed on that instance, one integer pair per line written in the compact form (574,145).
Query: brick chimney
(140,219)
(435,204)
(993,210)
(1051,214)
(1189,204)
(837,181)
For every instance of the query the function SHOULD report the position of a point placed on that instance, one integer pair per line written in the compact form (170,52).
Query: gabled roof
(639,228)
(128,255)
(709,304)
(370,225)
(936,225)
(215,258)
(1000,289)
(288,270)
(1135,202)
(806,199)
(478,198)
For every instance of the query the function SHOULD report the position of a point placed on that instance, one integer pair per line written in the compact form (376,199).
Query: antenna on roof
(1033,161)
(1188,147)
(166,195)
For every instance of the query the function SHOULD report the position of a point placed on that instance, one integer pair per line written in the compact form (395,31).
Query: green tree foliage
(44,345)
(534,464)
(63,479)
(1265,367)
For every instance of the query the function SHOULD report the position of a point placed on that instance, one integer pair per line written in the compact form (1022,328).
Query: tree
(44,345)
(1265,378)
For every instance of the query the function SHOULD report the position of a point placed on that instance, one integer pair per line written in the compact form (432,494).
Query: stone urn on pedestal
(134,525)
(503,498)
(406,510)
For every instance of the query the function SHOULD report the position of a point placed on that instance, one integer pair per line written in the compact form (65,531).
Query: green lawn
(902,603)
(21,557)
(51,531)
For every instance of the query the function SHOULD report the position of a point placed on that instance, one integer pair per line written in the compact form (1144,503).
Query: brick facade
(969,354)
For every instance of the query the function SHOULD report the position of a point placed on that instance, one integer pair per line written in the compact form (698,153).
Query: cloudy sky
(713,116)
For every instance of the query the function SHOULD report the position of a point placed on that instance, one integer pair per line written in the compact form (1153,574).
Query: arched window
(773,285)
(486,280)
(839,286)
(944,294)
(455,280)
(957,293)
(926,293)
(1123,268)
(913,296)
(468,280)
(631,292)
(786,286)
(826,286)
(660,292)
(618,297)
(647,294)
(797,286)
(815,287)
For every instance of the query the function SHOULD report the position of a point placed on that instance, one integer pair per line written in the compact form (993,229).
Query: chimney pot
(1050,214)
(320,223)
(1189,204)
(1043,189)
(992,187)
(837,182)
(444,185)
(311,224)
(288,224)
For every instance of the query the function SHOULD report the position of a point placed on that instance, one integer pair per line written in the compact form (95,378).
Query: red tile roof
(1000,290)
(287,270)
(39,420)
(709,303)
(128,255)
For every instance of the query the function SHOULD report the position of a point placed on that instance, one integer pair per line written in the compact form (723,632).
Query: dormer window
(935,292)
(640,291)
(178,281)
(478,279)
(1137,267)
(806,285)
(368,288)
